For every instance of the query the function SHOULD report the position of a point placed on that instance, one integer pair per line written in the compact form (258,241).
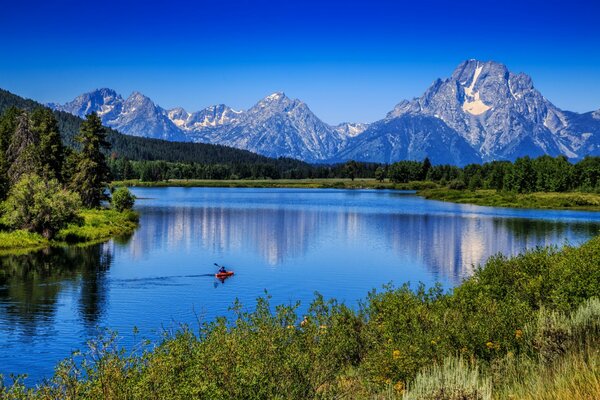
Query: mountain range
(482,112)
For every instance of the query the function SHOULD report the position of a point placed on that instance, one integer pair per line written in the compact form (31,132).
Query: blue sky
(349,61)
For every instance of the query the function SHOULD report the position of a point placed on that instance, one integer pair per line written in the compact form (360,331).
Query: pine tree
(91,171)
(7,129)
(51,147)
(23,152)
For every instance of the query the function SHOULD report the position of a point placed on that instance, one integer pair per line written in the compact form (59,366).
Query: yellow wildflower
(396,354)
(490,345)
(433,342)
(399,387)
(518,334)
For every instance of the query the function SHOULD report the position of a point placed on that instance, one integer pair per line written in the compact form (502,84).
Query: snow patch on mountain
(481,112)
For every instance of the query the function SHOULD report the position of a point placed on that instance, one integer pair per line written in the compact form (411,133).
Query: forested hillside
(138,148)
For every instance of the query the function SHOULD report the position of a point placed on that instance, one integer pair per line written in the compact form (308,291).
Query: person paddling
(222,269)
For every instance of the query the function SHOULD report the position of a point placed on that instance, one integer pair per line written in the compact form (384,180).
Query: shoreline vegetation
(93,226)
(526,327)
(576,200)
(51,194)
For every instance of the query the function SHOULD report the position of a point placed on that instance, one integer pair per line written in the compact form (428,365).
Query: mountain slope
(497,113)
(500,114)
(411,137)
(140,148)
(279,125)
(136,116)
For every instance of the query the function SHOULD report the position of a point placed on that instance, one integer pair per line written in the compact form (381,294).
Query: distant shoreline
(581,201)
(330,183)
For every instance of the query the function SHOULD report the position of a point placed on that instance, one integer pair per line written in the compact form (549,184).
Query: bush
(40,206)
(457,184)
(122,199)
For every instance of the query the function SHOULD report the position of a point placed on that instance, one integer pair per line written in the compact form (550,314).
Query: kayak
(224,274)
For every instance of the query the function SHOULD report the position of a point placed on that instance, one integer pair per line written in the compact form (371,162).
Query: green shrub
(122,199)
(457,184)
(40,206)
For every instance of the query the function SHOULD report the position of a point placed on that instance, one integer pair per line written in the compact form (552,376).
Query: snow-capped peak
(275,96)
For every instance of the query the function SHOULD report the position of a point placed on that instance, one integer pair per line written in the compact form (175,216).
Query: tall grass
(574,200)
(454,379)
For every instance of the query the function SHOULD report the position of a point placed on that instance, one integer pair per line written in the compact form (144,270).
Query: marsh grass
(482,197)
(334,183)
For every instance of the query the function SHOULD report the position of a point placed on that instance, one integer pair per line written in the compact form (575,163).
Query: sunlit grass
(93,226)
(334,183)
(568,200)
(99,224)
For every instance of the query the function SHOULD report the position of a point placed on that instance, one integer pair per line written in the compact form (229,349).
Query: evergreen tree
(45,125)
(23,152)
(380,174)
(351,169)
(425,168)
(7,129)
(91,171)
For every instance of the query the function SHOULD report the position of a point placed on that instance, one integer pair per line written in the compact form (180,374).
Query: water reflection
(450,246)
(291,242)
(31,286)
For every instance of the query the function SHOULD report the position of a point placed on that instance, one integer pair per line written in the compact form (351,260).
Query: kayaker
(222,270)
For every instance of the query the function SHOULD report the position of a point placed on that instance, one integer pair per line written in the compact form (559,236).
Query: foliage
(486,335)
(380,174)
(23,152)
(91,171)
(351,169)
(578,200)
(453,379)
(40,206)
(21,239)
(99,224)
(122,199)
(51,148)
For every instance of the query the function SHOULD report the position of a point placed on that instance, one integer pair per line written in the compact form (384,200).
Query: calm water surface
(290,242)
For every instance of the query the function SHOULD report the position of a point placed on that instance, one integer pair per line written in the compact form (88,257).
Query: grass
(522,327)
(99,225)
(94,225)
(335,183)
(429,190)
(21,239)
(559,201)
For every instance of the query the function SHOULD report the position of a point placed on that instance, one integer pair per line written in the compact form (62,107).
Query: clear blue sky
(350,61)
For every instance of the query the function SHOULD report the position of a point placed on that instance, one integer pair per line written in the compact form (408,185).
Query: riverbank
(95,225)
(522,327)
(333,183)
(493,198)
(426,189)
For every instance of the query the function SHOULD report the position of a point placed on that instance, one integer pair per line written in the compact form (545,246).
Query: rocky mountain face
(481,112)
(500,114)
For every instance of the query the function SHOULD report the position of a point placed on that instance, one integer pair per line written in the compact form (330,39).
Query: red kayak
(224,274)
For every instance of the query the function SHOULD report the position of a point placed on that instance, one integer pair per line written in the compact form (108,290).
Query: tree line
(524,175)
(152,171)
